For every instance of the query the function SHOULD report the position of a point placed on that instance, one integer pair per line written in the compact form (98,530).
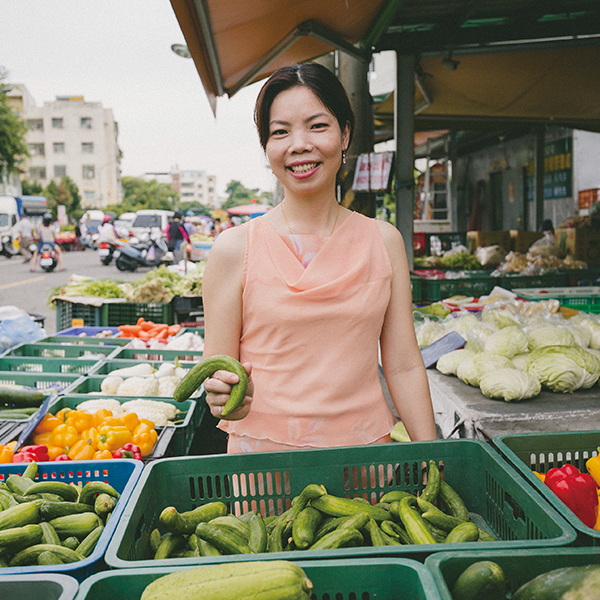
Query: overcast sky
(118,52)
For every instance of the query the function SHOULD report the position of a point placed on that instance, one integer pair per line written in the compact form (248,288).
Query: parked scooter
(48,260)
(8,248)
(106,252)
(149,253)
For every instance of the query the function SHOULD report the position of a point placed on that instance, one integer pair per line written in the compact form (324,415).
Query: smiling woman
(305,295)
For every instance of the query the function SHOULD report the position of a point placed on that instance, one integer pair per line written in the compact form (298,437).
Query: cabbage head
(582,336)
(463,324)
(499,317)
(429,332)
(592,325)
(509,384)
(508,342)
(583,358)
(520,361)
(555,370)
(448,363)
(471,369)
(550,336)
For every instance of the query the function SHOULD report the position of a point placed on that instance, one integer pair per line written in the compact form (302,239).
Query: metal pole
(539,177)
(405,106)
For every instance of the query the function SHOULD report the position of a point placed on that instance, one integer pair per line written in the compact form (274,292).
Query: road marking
(24,282)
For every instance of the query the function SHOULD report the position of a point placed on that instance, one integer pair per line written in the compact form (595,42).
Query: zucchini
(206,368)
(78,526)
(465,532)
(482,579)
(572,583)
(453,502)
(225,541)
(185,523)
(29,555)
(258,579)
(66,491)
(343,507)
(20,397)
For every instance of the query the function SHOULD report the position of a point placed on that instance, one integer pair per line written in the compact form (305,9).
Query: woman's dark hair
(317,78)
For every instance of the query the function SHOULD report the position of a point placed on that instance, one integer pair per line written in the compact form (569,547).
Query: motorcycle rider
(107,232)
(46,235)
(25,236)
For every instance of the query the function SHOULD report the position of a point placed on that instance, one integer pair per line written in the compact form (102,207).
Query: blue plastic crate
(87,331)
(122,474)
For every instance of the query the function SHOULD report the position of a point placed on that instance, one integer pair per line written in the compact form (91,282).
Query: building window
(37,173)
(37,150)
(87,147)
(210,190)
(58,147)
(86,122)
(89,197)
(60,170)
(36,124)
(199,186)
(188,195)
(57,122)
(88,172)
(187,184)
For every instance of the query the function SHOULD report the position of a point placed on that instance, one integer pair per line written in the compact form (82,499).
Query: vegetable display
(50,522)
(317,520)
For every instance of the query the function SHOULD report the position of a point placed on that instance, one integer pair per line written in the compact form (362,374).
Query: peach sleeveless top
(311,333)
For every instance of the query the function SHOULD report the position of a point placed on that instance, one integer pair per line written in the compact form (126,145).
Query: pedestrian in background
(25,236)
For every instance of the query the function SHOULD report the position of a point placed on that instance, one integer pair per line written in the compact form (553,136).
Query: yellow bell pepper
(129,420)
(54,452)
(92,436)
(65,436)
(63,414)
(593,467)
(112,438)
(145,441)
(145,425)
(7,452)
(109,422)
(48,423)
(103,455)
(81,450)
(44,439)
(80,419)
(99,416)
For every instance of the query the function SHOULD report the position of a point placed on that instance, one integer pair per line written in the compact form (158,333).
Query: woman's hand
(218,387)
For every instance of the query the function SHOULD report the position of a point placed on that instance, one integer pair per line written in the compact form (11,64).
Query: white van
(150,222)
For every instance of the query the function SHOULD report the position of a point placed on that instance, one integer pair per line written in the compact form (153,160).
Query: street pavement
(31,291)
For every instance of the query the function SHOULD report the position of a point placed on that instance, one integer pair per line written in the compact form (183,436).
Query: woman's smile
(303,170)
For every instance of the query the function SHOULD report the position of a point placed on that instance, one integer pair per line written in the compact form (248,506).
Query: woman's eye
(319,125)
(279,132)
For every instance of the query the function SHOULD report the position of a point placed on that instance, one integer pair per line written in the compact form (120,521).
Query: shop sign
(558,171)
(373,172)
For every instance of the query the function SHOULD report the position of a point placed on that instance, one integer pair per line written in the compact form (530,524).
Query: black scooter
(48,260)
(150,253)
(106,252)
(8,248)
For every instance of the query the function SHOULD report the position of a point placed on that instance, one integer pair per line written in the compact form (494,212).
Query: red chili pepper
(63,457)
(39,450)
(128,451)
(577,490)
(21,457)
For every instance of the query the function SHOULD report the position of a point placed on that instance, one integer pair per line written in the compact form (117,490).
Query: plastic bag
(18,331)
(490,256)
(545,246)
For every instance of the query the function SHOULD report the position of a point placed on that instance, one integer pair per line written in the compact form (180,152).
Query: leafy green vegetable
(508,341)
(509,384)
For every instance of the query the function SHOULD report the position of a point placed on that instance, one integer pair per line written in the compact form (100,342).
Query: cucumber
(394,530)
(465,532)
(29,555)
(19,515)
(225,541)
(413,522)
(170,544)
(206,548)
(304,527)
(343,507)
(155,540)
(453,502)
(71,542)
(17,484)
(376,535)
(49,535)
(394,496)
(185,523)
(24,536)
(434,516)
(258,539)
(232,523)
(572,583)
(49,558)
(20,397)
(66,491)
(52,510)
(482,579)
(104,505)
(91,488)
(432,489)
(78,526)
(340,538)
(89,542)
(206,368)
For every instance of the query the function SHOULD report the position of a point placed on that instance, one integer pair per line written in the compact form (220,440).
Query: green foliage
(238,195)
(31,188)
(139,194)
(65,192)
(13,146)
(196,207)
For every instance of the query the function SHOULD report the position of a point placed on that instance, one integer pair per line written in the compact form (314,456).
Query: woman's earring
(344,156)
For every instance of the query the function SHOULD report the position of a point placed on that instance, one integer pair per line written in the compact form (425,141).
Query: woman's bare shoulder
(230,244)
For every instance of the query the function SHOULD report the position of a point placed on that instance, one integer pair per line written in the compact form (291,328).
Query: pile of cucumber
(51,522)
(319,521)
(18,402)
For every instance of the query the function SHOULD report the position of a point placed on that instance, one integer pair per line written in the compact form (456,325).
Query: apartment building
(69,136)
(193,186)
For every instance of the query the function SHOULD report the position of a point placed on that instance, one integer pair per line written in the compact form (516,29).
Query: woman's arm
(222,300)
(401,359)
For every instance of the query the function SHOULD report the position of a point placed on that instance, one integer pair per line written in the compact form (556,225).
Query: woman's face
(305,142)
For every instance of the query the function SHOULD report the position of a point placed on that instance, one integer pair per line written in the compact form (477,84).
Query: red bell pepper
(577,490)
(128,451)
(39,451)
(63,457)
(20,457)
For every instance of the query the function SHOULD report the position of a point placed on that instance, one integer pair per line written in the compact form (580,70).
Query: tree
(31,188)
(238,195)
(195,207)
(140,194)
(65,192)
(13,146)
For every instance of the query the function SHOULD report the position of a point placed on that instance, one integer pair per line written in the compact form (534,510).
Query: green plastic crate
(540,452)
(58,350)
(70,340)
(474,285)
(512,281)
(586,299)
(46,586)
(61,382)
(381,578)
(137,355)
(128,313)
(90,384)
(497,496)
(29,364)
(416,287)
(519,566)
(191,417)
(67,311)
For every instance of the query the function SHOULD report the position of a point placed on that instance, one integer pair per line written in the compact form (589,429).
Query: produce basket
(179,439)
(586,299)
(152,355)
(497,497)
(122,474)
(89,331)
(416,287)
(540,452)
(127,313)
(49,350)
(32,364)
(10,430)
(67,312)
(381,578)
(519,567)
(475,284)
(70,340)
(60,382)
(46,586)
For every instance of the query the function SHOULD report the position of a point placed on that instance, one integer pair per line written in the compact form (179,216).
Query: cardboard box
(478,239)
(521,240)
(582,243)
